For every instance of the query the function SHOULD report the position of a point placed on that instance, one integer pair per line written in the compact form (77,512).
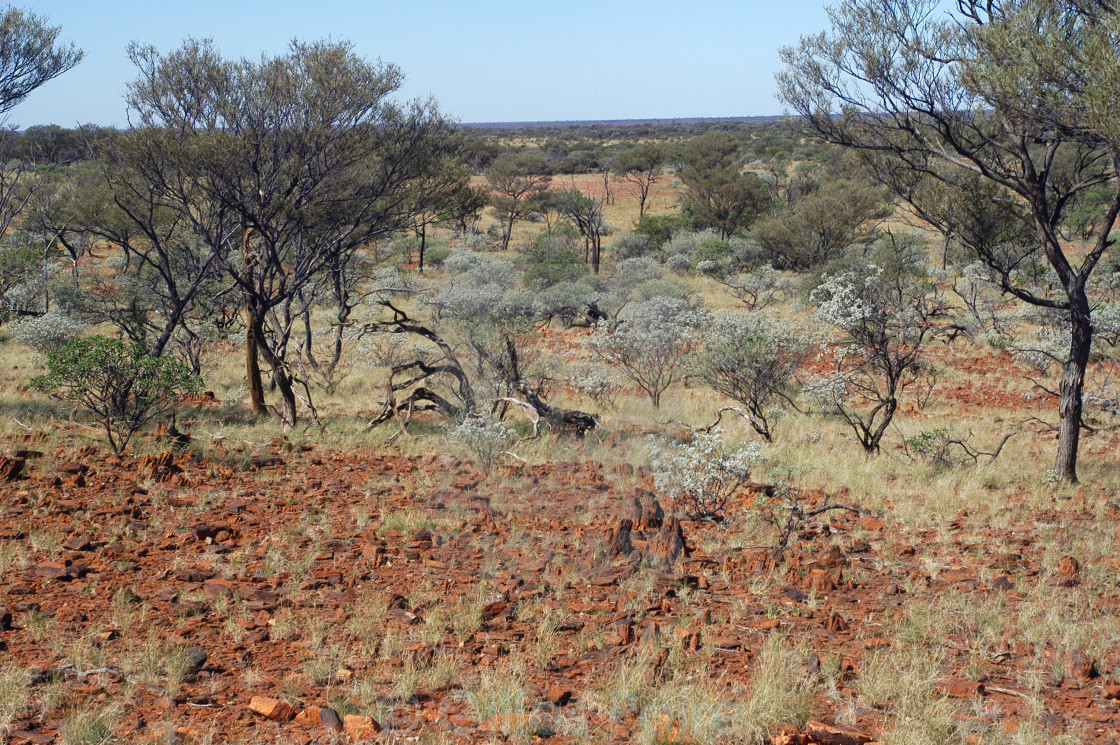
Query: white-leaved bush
(484,436)
(884,319)
(480,286)
(635,271)
(752,358)
(701,475)
(760,287)
(651,342)
(598,382)
(49,332)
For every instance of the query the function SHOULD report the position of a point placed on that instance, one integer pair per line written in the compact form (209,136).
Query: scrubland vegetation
(326,418)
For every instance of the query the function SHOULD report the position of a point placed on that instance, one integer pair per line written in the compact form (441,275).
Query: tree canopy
(982,116)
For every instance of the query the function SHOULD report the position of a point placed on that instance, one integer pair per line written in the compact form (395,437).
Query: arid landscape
(325,418)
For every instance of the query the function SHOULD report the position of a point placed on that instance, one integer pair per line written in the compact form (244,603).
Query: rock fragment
(271,709)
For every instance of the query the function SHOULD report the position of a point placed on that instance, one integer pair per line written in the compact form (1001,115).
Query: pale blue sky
(483,60)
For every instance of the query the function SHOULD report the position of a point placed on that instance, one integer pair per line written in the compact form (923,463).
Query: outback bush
(584,301)
(637,270)
(934,446)
(700,476)
(436,254)
(49,332)
(117,383)
(632,246)
(686,243)
(660,228)
(18,267)
(481,285)
(553,258)
(650,343)
(714,250)
(597,382)
(759,288)
(886,317)
(484,436)
(752,359)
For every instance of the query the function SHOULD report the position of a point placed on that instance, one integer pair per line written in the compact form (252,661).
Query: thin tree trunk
(283,383)
(423,244)
(253,331)
(1073,382)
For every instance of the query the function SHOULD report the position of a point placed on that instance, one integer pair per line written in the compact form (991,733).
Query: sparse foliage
(989,119)
(700,476)
(117,383)
(650,343)
(885,318)
(752,359)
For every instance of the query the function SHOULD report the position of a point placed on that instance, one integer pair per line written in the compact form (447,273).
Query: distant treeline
(587,147)
(52,144)
(567,147)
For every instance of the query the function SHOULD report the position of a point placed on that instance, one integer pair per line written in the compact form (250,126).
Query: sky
(482,60)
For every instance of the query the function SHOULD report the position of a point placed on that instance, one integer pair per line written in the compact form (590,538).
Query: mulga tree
(585,212)
(1012,101)
(641,166)
(718,194)
(31,54)
(308,152)
(518,184)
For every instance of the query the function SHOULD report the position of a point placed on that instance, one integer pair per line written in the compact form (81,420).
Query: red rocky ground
(218,560)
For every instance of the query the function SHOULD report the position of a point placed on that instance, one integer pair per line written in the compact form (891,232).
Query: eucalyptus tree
(307,155)
(980,115)
(518,184)
(719,194)
(642,166)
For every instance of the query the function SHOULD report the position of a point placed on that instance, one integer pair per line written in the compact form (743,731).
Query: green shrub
(437,253)
(554,258)
(121,386)
(660,228)
(711,250)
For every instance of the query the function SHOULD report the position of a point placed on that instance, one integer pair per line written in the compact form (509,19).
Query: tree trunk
(1073,382)
(253,331)
(423,243)
(283,383)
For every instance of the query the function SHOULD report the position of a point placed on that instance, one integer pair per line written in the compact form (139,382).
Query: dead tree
(412,378)
(410,384)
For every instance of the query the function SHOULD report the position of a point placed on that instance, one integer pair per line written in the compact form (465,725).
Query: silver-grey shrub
(752,359)
(701,475)
(651,342)
(484,436)
(49,332)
